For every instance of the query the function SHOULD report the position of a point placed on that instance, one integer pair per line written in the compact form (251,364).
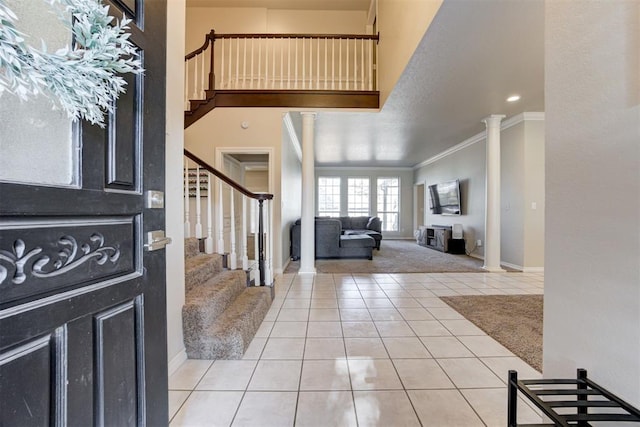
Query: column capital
(312,114)
(493,119)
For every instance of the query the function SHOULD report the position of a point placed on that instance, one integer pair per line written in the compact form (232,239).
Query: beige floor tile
(351,303)
(325,375)
(189,374)
(373,374)
(403,299)
(445,313)
(385,314)
(349,293)
(296,303)
(398,328)
(491,405)
(484,346)
(276,375)
(283,348)
(365,348)
(501,366)
(228,375)
(462,327)
(255,348)
(432,302)
(199,407)
(324,348)
(354,314)
(323,314)
(421,374)
(442,347)
(378,303)
(377,293)
(266,409)
(359,329)
(324,330)
(443,408)
(428,328)
(324,293)
(415,313)
(293,315)
(384,409)
(469,373)
(265,329)
(176,399)
(324,303)
(405,348)
(289,330)
(421,293)
(327,408)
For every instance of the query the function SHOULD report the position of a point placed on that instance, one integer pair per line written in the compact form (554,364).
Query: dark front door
(82,292)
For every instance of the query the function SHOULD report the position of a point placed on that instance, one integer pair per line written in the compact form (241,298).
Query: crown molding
(292,135)
(363,168)
(511,121)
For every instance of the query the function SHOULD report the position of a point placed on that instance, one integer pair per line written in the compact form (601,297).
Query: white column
(492,201)
(307,228)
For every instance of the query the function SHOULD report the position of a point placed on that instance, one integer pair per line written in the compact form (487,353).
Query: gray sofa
(369,225)
(332,240)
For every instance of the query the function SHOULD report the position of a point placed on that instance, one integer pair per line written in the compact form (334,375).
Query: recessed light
(513,98)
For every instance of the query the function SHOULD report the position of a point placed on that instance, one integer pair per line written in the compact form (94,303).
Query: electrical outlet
(479,243)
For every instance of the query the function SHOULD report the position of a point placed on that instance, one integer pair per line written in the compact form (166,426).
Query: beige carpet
(515,321)
(397,256)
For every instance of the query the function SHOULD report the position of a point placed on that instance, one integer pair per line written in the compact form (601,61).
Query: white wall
(406,192)
(592,268)
(174,180)
(402,24)
(291,190)
(467,165)
(522,183)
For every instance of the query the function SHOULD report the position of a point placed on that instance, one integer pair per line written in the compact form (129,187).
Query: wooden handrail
(298,36)
(213,36)
(232,183)
(205,45)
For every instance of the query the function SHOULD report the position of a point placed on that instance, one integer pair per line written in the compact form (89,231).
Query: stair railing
(318,62)
(199,180)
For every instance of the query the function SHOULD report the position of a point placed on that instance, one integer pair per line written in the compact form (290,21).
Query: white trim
(514,266)
(293,135)
(177,361)
(464,144)
(533,270)
(512,121)
(357,168)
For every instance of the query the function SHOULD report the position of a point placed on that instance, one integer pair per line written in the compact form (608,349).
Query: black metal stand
(581,394)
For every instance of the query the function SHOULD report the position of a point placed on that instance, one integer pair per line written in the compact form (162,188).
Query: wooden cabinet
(438,238)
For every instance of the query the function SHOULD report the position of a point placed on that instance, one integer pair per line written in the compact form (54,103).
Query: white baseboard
(514,266)
(510,265)
(533,269)
(177,360)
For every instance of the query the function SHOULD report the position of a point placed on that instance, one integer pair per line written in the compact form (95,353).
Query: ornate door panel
(82,296)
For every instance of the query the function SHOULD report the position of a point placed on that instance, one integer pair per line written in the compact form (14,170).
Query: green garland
(83,81)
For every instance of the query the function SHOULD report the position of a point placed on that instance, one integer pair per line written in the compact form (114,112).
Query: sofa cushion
(359,222)
(375,224)
(356,241)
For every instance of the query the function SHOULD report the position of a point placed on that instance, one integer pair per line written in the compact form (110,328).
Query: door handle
(156,240)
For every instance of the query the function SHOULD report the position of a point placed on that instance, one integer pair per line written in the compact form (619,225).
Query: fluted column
(492,201)
(307,226)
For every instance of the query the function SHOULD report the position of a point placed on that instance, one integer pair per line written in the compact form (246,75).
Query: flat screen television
(444,198)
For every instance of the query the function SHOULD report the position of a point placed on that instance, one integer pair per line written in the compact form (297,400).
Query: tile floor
(361,350)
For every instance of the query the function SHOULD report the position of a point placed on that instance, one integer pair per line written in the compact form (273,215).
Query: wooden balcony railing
(277,64)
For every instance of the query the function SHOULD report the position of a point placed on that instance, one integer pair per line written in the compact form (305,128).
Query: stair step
(207,301)
(191,247)
(229,336)
(200,268)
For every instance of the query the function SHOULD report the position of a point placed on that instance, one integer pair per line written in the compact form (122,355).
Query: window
(358,196)
(388,202)
(328,196)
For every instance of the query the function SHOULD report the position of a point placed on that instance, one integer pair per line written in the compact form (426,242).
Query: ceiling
(473,56)
(286,4)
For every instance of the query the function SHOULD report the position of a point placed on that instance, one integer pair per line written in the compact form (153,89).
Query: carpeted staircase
(221,314)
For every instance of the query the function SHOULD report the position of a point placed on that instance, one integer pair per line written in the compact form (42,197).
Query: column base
(493,269)
(307,273)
